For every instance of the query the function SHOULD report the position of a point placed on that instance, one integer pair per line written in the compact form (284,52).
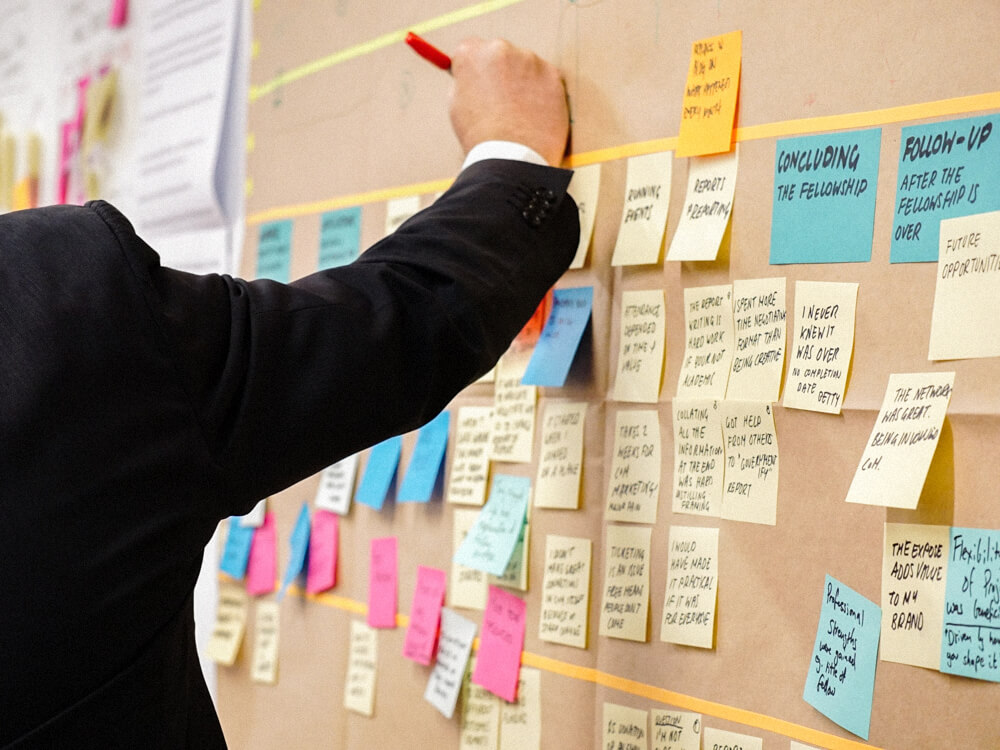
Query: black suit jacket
(140,405)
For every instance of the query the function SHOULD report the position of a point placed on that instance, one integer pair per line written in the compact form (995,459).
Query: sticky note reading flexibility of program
(709,109)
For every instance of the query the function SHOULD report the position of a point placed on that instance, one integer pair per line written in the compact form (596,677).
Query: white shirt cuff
(503,150)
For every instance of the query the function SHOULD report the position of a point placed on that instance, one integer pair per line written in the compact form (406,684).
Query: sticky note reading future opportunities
(707,207)
(274,251)
(492,538)
(625,604)
(625,728)
(708,111)
(425,463)
(751,480)
(565,591)
(675,730)
(585,187)
(634,479)
(468,585)
(323,540)
(382,583)
(425,615)
(692,586)
(454,647)
(560,465)
(708,344)
(894,464)
(470,463)
(498,660)
(339,237)
(383,460)
(641,337)
(262,567)
(644,217)
(824,197)
(362,663)
(970,644)
(759,318)
(699,458)
(553,354)
(336,485)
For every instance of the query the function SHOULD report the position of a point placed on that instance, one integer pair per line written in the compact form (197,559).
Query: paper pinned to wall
(692,587)
(426,461)
(492,538)
(323,541)
(298,550)
(470,463)
(498,660)
(264,668)
(521,721)
(480,726)
(970,644)
(634,479)
(560,465)
(468,585)
(759,318)
(262,567)
(383,582)
(339,237)
(557,346)
(230,624)
(719,738)
(380,472)
(641,346)
(236,553)
(336,486)
(644,217)
(565,591)
(512,436)
(708,205)
(709,342)
(398,210)
(625,603)
(675,730)
(425,615)
(454,647)
(625,728)
(750,491)
(699,457)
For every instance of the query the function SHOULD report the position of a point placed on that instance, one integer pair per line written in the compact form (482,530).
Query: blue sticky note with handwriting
(946,169)
(339,237)
(426,461)
(236,553)
(298,550)
(824,197)
(383,459)
(491,541)
(970,641)
(841,679)
(274,251)
(556,347)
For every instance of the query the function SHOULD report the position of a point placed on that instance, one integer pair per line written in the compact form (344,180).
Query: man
(140,405)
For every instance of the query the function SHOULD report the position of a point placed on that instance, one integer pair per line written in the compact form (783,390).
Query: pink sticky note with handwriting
(322,574)
(425,615)
(498,664)
(262,568)
(382,576)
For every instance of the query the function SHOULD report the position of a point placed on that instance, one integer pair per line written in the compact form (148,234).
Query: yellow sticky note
(521,721)
(625,727)
(644,217)
(634,479)
(399,210)
(513,431)
(480,724)
(759,317)
(230,624)
(25,194)
(699,457)
(722,738)
(362,664)
(470,463)
(625,604)
(515,576)
(565,591)
(584,187)
(692,586)
(750,486)
(707,207)
(708,343)
(641,346)
(708,112)
(560,464)
(468,586)
(265,643)
(675,730)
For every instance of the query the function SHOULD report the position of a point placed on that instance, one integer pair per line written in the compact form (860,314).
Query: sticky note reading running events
(644,217)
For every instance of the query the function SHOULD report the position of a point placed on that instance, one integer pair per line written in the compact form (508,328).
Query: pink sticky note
(322,552)
(262,568)
(425,615)
(119,14)
(498,664)
(382,575)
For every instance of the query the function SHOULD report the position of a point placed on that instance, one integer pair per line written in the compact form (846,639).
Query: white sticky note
(468,587)
(759,318)
(720,738)
(708,342)
(625,603)
(470,462)
(625,727)
(265,643)
(634,480)
(362,664)
(675,730)
(699,457)
(336,486)
(644,216)
(521,721)
(708,205)
(585,187)
(565,591)
(560,465)
(641,346)
(454,647)
(750,485)
(692,586)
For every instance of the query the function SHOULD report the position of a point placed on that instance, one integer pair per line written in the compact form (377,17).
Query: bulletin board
(342,114)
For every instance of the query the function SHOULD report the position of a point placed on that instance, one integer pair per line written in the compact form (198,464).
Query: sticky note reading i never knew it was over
(708,112)
(553,354)
(644,217)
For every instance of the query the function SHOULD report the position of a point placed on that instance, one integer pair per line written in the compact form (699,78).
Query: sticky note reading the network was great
(585,188)
(759,319)
(262,567)
(624,727)
(521,721)
(236,553)
(425,463)
(336,486)
(644,217)
(339,237)
(708,345)
(383,460)
(824,197)
(323,539)
(492,538)
(699,459)
(675,730)
(894,464)
(470,463)
(708,112)
(565,591)
(425,614)
(468,585)
(265,643)
(641,346)
(707,207)
(553,354)
(692,587)
(970,644)
(560,465)
(274,251)
(750,493)
(230,624)
(625,605)
(499,657)
(383,573)
(841,679)
(298,550)
(362,664)
(634,479)
(454,647)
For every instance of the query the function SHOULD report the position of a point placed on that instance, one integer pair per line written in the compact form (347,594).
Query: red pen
(428,51)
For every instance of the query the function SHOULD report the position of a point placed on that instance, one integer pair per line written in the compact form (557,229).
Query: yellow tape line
(386,40)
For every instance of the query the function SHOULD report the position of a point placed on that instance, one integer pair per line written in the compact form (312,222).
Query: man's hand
(503,92)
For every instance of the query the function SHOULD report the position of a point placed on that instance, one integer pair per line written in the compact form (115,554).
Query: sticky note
(708,205)
(565,591)
(946,169)
(499,658)
(841,678)
(230,624)
(675,730)
(641,346)
(644,217)
(823,208)
(699,459)
(708,342)
(454,647)
(793,745)
(970,642)
(521,721)
(759,320)
(512,435)
(515,575)
(426,461)
(480,726)
(336,486)
(264,668)
(750,485)
(262,567)
(382,583)
(692,586)
(822,345)
(119,14)
(634,479)
(914,574)
(560,465)
(398,210)
(625,603)
(383,460)
(468,585)
(255,518)
(708,112)
(339,237)
(362,665)
(298,550)
(492,538)
(721,738)
(965,322)
(274,251)
(323,541)
(625,728)
(894,464)
(585,188)
(236,553)
(425,615)
(470,463)
(553,354)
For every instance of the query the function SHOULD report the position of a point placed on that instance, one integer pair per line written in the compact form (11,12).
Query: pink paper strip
(425,615)
(382,578)
(323,538)
(262,568)
(498,664)
(119,14)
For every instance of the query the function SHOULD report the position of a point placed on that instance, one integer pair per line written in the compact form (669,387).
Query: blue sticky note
(274,251)
(946,169)
(383,459)
(491,541)
(841,679)
(425,464)
(554,352)
(970,641)
(339,237)
(236,553)
(298,550)
(824,197)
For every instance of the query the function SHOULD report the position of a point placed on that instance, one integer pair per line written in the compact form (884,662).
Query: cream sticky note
(720,738)
(692,586)
(641,346)
(634,483)
(468,585)
(699,458)
(470,463)
(230,624)
(255,518)
(793,745)
(362,664)
(822,345)
(521,721)
(498,660)
(398,210)
(265,643)
(750,491)
(644,217)
(262,567)
(515,575)
(585,187)
(382,582)
(966,320)
(480,726)
(454,647)
(625,728)
(425,615)
(512,434)
(675,730)
(557,483)
(625,603)
(490,542)
(565,591)
(759,318)
(894,464)
(336,486)
(914,575)
(708,342)
(708,112)
(707,207)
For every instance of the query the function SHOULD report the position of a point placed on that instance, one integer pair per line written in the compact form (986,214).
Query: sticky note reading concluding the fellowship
(492,538)
(468,585)
(841,679)
(708,346)
(553,354)
(751,480)
(336,485)
(425,615)
(382,583)
(692,586)
(262,567)
(708,112)
(499,657)
(894,465)
(824,197)
(675,730)
(565,591)
(634,484)
(521,721)
(425,463)
(274,251)
(454,647)
(707,207)
(265,644)
(970,644)
(383,460)
(822,346)
(339,237)
(585,187)
(699,460)
(323,539)
(470,463)
(642,335)
(561,462)
(644,217)
(759,317)
(230,624)
(512,435)
(362,661)
(625,605)
(625,728)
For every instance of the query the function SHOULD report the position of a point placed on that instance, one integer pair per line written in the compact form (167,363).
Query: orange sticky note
(709,110)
